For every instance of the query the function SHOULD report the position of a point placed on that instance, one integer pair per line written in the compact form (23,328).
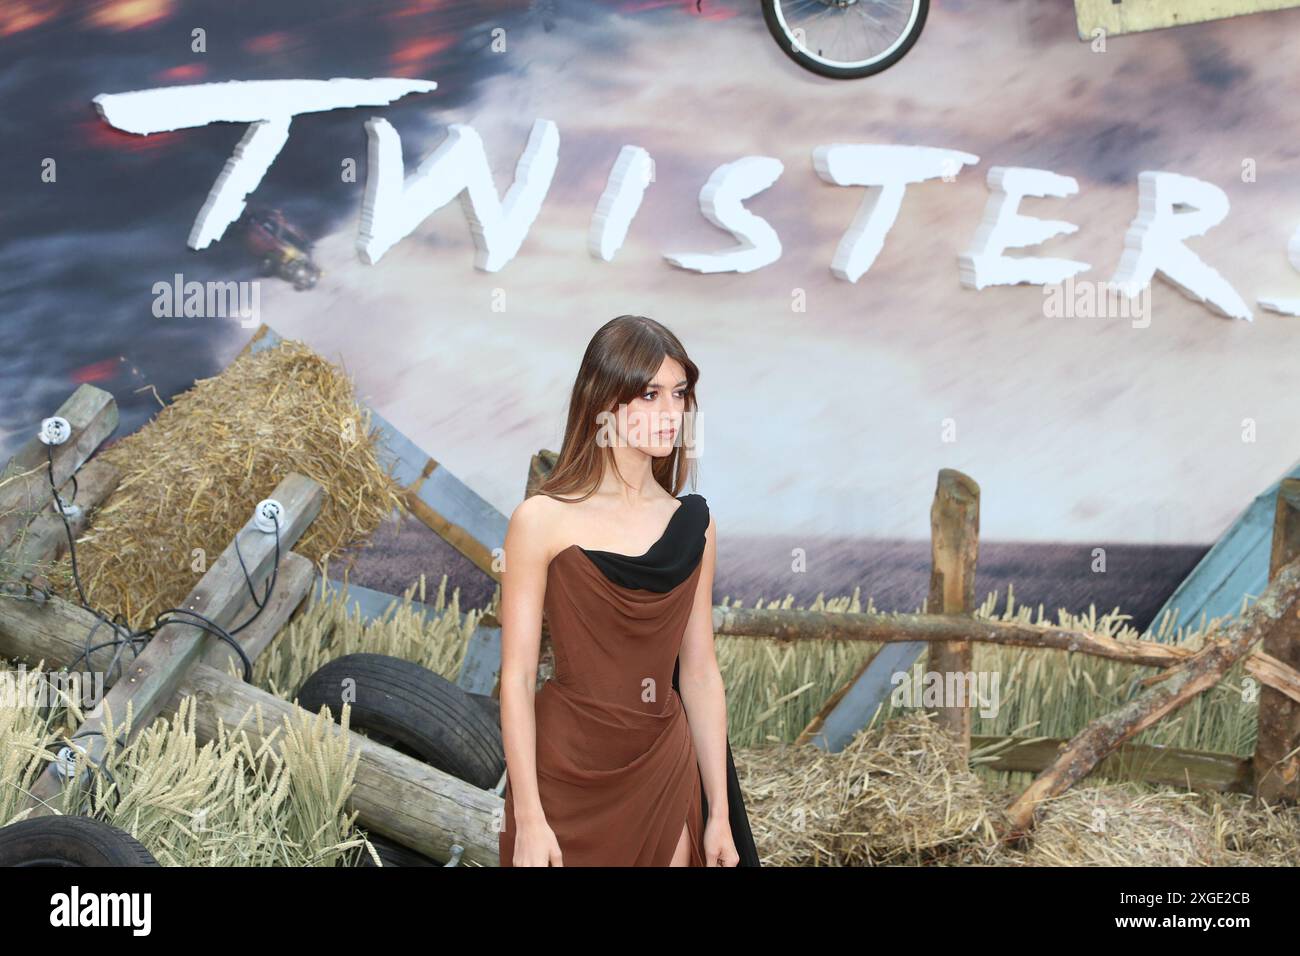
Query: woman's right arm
(523,587)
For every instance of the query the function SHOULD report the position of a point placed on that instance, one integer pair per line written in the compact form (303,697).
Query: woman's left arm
(700,686)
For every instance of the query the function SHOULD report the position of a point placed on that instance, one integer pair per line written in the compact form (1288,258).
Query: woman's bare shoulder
(538,517)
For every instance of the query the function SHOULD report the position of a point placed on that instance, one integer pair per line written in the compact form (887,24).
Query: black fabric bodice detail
(670,560)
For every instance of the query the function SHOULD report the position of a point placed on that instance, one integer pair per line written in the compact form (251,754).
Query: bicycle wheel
(845,39)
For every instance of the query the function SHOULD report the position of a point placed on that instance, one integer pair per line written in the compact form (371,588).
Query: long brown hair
(621,359)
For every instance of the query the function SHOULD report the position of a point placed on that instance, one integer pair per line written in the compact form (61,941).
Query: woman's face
(654,418)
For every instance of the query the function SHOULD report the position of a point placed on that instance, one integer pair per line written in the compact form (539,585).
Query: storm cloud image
(826,406)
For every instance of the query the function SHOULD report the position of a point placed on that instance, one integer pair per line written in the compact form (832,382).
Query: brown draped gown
(617,771)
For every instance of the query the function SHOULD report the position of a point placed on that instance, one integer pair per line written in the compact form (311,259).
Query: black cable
(128,637)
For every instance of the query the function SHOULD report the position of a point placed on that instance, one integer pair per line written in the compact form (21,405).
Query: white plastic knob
(268,515)
(65,764)
(55,431)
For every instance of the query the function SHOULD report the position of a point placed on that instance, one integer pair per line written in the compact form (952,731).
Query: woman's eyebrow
(657,385)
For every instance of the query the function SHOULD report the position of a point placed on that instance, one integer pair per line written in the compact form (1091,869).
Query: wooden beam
(292,583)
(447,506)
(1198,770)
(904,630)
(25,480)
(46,539)
(1184,683)
(1277,747)
(154,675)
(395,795)
(1117,17)
(436,497)
(783,625)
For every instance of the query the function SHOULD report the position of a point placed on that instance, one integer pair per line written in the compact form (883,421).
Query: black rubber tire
(491,706)
(410,707)
(814,65)
(70,841)
(393,854)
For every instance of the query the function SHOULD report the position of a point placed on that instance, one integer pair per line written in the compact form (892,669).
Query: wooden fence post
(1277,749)
(954,545)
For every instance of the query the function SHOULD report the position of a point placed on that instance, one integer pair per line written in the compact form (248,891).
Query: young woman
(622,758)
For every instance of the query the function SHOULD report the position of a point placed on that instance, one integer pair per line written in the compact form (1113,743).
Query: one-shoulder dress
(617,771)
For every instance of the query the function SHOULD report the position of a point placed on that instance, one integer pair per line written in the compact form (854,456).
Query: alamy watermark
(645,429)
(1092,299)
(947,689)
(209,300)
(54,688)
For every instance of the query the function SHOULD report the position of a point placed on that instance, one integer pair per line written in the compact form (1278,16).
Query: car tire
(393,854)
(70,841)
(410,708)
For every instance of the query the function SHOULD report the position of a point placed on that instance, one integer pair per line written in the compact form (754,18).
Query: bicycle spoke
(849,34)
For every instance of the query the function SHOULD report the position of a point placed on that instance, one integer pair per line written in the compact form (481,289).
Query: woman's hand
(719,847)
(535,845)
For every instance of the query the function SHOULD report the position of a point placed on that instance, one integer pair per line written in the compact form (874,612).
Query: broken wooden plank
(1118,17)
(25,480)
(479,668)
(393,794)
(1235,567)
(1272,673)
(1185,682)
(440,500)
(445,505)
(856,704)
(1199,770)
(153,676)
(1277,747)
(292,583)
(46,538)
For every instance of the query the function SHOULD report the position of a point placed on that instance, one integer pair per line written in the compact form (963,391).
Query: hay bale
(1130,824)
(900,793)
(191,476)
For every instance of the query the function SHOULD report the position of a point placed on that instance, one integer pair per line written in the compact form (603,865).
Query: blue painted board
(454,501)
(1235,567)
